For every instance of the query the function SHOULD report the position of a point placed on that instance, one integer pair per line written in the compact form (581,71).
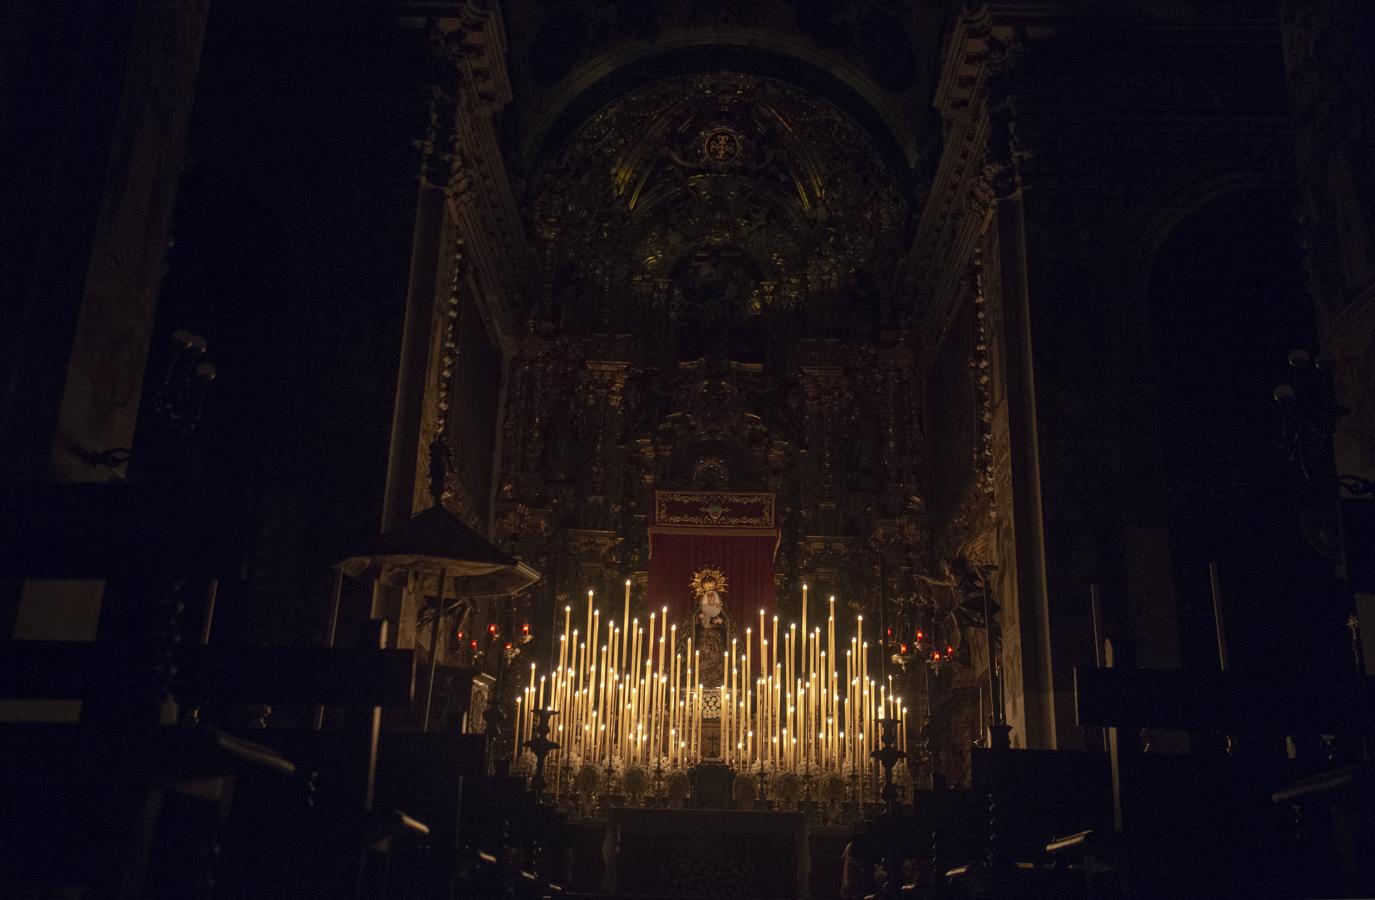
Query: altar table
(706,853)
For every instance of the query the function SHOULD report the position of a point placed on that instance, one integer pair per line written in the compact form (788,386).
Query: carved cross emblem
(721,145)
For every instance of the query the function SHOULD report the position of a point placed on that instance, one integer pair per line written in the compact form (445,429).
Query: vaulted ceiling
(738,171)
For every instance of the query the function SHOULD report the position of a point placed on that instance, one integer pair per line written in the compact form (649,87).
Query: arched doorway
(1227,305)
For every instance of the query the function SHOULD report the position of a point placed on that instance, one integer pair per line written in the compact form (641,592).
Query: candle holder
(999,736)
(610,796)
(541,746)
(832,792)
(495,717)
(923,765)
(565,784)
(657,789)
(854,800)
(888,756)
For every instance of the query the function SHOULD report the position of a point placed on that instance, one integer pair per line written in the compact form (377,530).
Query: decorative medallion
(722,145)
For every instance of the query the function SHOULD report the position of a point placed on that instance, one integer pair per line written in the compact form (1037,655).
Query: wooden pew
(307,806)
(1206,824)
(139,807)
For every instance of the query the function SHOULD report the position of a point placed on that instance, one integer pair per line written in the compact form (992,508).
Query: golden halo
(705,580)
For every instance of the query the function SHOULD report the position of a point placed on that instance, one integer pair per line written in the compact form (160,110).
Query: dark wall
(951,414)
(478,383)
(292,234)
(1228,304)
(62,77)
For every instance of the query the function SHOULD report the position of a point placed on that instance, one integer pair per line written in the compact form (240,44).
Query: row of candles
(629,696)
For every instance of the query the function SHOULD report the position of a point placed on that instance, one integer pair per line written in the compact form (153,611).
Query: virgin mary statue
(709,625)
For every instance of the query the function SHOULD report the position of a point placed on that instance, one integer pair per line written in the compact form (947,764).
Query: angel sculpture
(957,595)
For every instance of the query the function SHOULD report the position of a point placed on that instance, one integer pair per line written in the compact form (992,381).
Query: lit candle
(589,613)
(843,748)
(649,646)
(882,701)
(764,672)
(766,707)
(663,632)
(612,657)
(759,713)
(859,642)
(687,690)
(635,649)
(563,639)
(790,670)
(732,695)
(663,712)
(777,709)
(790,726)
(523,730)
(675,719)
(831,630)
(595,634)
(602,700)
(574,671)
(670,683)
(724,729)
(773,657)
(663,703)
(625,617)
(824,706)
(804,618)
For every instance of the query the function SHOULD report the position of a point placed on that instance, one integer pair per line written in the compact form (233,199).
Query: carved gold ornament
(722,145)
(708,580)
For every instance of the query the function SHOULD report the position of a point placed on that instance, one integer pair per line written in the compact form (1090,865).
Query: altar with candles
(634,708)
(728,531)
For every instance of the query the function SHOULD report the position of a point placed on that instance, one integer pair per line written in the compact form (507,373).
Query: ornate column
(825,391)
(601,389)
(407,413)
(971,249)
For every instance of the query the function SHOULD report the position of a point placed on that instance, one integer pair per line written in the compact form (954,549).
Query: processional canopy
(436,540)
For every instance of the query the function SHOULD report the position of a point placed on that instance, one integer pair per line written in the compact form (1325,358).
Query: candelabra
(540,745)
(658,783)
(888,756)
(1309,412)
(178,405)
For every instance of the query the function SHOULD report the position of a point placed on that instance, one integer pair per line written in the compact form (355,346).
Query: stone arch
(791,59)
(1225,301)
(1173,208)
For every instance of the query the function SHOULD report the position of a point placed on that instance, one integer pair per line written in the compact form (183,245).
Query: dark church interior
(660,449)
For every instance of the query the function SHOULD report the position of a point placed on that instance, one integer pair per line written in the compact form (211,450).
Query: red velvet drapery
(746,559)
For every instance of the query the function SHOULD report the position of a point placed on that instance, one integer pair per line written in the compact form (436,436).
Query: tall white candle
(625,617)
